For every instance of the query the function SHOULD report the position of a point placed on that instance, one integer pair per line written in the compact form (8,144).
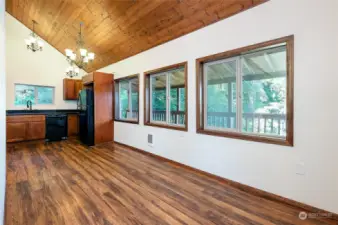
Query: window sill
(269,140)
(127,121)
(172,127)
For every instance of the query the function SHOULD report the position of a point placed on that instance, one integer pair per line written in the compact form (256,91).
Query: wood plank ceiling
(117,29)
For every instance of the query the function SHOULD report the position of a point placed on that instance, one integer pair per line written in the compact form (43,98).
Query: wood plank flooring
(66,183)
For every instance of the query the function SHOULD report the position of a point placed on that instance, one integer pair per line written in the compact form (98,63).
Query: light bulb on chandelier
(80,60)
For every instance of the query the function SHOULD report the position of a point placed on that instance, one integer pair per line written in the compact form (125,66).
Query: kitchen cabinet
(16,131)
(71,88)
(25,128)
(36,130)
(73,125)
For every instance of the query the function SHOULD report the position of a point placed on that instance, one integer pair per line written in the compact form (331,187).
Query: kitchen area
(91,121)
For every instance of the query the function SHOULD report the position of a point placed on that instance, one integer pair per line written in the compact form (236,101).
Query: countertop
(41,112)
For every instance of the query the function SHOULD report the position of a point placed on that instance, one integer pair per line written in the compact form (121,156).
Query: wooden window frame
(289,139)
(146,96)
(116,98)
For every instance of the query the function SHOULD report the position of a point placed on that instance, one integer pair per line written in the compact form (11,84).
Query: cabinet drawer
(25,118)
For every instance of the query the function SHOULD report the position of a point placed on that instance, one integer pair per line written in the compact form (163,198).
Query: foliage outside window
(38,95)
(127,99)
(247,94)
(166,97)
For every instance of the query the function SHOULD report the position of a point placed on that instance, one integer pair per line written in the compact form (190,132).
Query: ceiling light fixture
(72,71)
(80,60)
(33,42)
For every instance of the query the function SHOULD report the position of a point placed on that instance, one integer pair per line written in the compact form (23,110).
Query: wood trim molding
(127,121)
(289,141)
(166,126)
(240,186)
(137,75)
(146,80)
(166,68)
(116,81)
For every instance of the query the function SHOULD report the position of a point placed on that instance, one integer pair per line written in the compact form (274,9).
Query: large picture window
(127,99)
(38,95)
(248,93)
(165,97)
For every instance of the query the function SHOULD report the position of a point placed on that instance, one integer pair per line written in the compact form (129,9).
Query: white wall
(27,67)
(268,167)
(2,111)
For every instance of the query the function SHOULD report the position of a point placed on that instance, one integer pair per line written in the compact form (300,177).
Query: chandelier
(72,71)
(33,42)
(79,60)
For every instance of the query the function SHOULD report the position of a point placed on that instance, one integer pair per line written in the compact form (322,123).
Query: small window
(38,95)
(127,99)
(165,97)
(248,93)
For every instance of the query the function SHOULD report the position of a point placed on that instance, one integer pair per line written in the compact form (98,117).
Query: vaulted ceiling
(117,29)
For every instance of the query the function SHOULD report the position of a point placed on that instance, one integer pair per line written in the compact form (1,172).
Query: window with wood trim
(247,93)
(127,99)
(38,95)
(166,97)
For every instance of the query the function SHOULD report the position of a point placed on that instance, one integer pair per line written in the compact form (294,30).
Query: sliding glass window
(127,99)
(165,94)
(248,95)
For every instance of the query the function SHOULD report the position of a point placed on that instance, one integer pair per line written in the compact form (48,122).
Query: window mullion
(36,95)
(205,92)
(130,106)
(120,107)
(168,98)
(239,94)
(150,99)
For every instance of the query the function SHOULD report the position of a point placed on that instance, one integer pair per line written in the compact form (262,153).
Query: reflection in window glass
(33,93)
(127,99)
(124,99)
(260,108)
(177,114)
(134,98)
(158,98)
(264,92)
(220,94)
(45,95)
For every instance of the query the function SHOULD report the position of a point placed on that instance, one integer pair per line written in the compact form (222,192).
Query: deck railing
(176,117)
(264,123)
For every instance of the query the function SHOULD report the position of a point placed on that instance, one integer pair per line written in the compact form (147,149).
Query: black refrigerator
(86,121)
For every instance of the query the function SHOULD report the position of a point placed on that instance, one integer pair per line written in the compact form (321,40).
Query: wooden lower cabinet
(73,125)
(36,130)
(16,131)
(25,128)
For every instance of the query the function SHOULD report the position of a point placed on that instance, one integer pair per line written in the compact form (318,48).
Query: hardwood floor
(64,183)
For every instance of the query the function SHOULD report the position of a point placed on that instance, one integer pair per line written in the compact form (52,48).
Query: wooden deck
(64,183)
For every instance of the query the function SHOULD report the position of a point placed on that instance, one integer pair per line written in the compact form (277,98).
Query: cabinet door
(78,87)
(36,130)
(73,125)
(16,131)
(69,89)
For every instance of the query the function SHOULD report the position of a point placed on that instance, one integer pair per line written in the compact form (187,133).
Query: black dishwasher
(56,127)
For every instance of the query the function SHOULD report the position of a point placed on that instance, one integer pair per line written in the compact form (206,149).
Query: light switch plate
(300,168)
